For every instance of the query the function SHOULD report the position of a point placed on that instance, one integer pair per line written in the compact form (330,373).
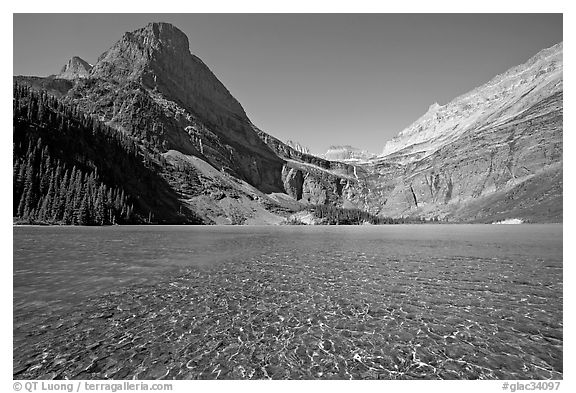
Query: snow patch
(304,217)
(509,221)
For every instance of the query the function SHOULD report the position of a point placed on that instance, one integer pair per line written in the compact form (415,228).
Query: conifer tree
(82,214)
(56,179)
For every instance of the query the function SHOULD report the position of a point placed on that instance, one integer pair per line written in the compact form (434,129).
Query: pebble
(268,320)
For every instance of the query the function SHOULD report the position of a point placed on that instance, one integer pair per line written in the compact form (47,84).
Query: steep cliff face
(149,86)
(485,165)
(158,57)
(313,185)
(298,146)
(491,154)
(505,96)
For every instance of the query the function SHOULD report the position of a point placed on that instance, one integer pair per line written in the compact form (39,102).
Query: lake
(327,302)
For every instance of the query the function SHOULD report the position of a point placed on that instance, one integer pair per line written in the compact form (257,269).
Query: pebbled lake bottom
(384,302)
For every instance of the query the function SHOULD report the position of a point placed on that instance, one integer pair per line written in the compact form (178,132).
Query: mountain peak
(434,107)
(162,34)
(158,57)
(128,58)
(298,146)
(75,68)
(503,97)
(162,27)
(347,153)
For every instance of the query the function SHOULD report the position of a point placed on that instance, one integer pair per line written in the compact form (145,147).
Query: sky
(318,79)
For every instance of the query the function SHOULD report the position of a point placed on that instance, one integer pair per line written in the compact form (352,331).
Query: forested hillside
(70,168)
(167,142)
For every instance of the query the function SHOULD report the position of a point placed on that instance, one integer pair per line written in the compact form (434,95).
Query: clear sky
(319,79)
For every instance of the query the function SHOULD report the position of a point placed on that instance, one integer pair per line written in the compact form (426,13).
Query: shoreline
(276,225)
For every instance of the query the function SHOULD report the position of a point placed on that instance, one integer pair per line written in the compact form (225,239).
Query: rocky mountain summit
(298,146)
(150,87)
(158,57)
(492,154)
(75,68)
(491,104)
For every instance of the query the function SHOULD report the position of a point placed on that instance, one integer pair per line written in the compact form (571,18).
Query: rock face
(503,97)
(298,146)
(493,153)
(74,69)
(149,86)
(156,85)
(314,185)
(293,182)
(489,155)
(158,57)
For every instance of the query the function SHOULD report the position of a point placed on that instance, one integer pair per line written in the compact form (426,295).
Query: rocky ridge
(347,153)
(298,146)
(149,86)
(510,171)
(501,98)
(490,153)
(75,68)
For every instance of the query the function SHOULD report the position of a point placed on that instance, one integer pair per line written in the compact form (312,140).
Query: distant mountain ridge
(298,146)
(492,154)
(504,96)
(347,153)
(158,57)
(149,87)
(75,68)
